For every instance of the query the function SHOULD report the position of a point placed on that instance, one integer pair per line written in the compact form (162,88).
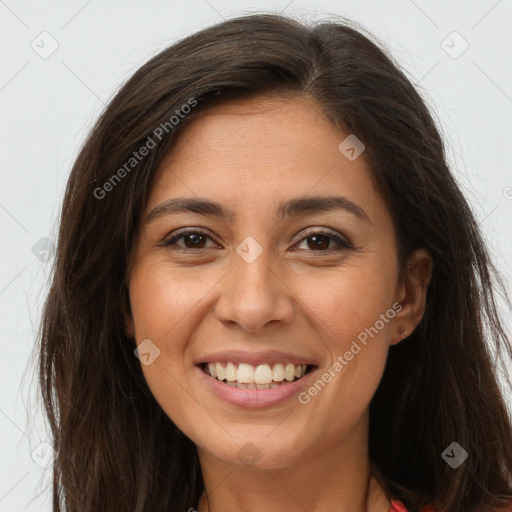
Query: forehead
(266,127)
(256,152)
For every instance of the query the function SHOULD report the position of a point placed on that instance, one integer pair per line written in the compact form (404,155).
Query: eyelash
(343,243)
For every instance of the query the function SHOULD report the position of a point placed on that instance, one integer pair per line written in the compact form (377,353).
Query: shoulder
(398,506)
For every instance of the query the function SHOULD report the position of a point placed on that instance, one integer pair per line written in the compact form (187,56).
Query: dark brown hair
(115,448)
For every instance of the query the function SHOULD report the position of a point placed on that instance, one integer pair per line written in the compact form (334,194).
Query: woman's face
(266,284)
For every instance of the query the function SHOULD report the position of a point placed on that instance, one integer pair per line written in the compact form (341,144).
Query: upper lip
(255,358)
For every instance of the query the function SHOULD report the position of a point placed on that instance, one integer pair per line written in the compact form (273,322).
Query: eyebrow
(292,207)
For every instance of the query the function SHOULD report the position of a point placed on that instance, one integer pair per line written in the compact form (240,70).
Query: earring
(402,331)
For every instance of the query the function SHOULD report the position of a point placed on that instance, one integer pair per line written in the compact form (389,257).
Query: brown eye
(190,240)
(321,240)
(318,242)
(194,241)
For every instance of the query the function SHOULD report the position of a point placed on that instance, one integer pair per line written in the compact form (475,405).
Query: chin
(255,451)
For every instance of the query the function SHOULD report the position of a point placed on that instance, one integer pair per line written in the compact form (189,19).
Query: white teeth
(289,372)
(263,374)
(230,372)
(245,373)
(278,372)
(221,372)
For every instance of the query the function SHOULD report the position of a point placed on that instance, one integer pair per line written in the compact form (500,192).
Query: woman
(270,293)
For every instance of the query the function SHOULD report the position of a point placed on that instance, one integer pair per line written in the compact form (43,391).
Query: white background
(48,105)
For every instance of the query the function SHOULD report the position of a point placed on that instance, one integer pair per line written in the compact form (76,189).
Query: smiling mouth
(261,376)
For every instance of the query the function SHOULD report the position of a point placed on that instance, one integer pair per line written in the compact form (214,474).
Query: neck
(335,477)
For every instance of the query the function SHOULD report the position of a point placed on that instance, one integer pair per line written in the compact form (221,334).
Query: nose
(253,295)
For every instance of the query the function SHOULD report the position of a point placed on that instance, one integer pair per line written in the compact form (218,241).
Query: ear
(128,327)
(412,295)
(127,316)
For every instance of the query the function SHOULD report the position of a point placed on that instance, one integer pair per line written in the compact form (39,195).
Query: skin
(250,155)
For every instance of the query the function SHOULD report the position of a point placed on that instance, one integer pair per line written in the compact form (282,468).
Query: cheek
(163,299)
(164,303)
(352,312)
(349,302)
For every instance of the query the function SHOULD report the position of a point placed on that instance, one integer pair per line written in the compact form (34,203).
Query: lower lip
(255,398)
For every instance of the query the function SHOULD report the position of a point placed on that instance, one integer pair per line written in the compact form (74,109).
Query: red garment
(398,506)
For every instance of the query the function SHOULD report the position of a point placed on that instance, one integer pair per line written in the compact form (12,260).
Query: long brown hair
(115,448)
